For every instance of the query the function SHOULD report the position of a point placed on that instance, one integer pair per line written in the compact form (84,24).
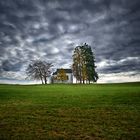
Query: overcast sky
(50,30)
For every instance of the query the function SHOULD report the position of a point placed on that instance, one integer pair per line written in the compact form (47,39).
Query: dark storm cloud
(129,64)
(49,30)
(8,65)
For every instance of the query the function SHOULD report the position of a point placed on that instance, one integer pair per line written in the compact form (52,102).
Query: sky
(50,30)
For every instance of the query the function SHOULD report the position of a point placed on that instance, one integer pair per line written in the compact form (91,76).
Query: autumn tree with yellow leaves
(61,75)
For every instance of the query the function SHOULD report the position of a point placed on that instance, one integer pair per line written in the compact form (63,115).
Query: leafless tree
(39,70)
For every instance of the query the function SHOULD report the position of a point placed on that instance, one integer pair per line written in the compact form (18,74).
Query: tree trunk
(83,81)
(80,80)
(89,82)
(41,80)
(45,80)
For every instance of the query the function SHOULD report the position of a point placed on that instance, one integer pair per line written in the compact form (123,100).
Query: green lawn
(104,111)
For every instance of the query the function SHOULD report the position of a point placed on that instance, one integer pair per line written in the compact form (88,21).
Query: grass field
(104,111)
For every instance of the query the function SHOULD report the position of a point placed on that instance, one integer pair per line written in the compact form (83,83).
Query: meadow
(57,112)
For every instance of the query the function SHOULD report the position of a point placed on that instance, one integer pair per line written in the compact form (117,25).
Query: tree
(77,64)
(39,70)
(91,74)
(61,75)
(84,64)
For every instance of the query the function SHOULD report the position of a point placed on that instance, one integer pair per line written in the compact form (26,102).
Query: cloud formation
(49,30)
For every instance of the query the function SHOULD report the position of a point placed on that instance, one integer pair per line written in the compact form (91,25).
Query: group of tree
(83,67)
(84,64)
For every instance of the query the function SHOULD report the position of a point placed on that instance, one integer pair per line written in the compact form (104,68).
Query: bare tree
(39,70)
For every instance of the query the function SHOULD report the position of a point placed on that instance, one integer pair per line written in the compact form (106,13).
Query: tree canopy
(61,75)
(84,64)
